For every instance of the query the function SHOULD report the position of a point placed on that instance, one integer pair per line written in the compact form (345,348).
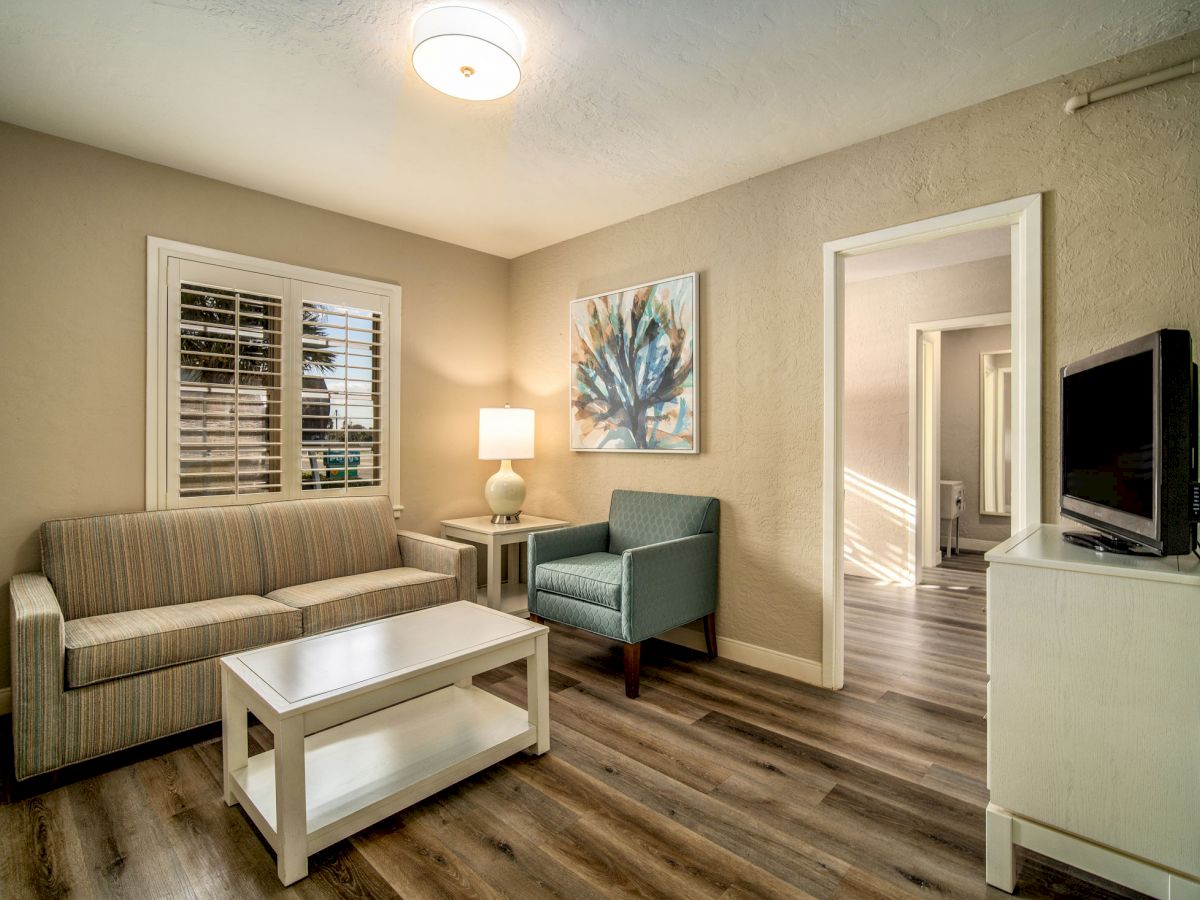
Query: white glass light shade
(466,53)
(505,433)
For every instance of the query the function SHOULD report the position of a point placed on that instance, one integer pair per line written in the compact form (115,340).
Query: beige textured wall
(875,412)
(73,226)
(1121,244)
(960,423)
(1122,227)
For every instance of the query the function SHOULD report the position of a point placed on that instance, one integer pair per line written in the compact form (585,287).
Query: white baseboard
(798,667)
(5,701)
(1129,871)
(977,544)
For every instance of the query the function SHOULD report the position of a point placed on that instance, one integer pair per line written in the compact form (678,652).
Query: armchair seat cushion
(351,599)
(113,645)
(592,577)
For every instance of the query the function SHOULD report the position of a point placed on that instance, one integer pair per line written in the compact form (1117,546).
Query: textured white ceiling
(626,105)
(969,246)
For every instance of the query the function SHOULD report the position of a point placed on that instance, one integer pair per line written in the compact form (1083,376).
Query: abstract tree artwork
(633,369)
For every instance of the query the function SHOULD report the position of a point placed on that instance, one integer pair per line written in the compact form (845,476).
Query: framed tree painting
(634,381)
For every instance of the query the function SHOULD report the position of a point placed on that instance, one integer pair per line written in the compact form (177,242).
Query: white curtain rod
(1124,87)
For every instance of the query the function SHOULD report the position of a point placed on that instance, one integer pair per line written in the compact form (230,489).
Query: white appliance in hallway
(951,502)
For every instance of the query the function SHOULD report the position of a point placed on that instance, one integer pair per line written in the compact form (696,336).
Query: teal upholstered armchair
(650,568)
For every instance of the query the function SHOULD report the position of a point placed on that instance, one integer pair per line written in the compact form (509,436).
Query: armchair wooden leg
(536,620)
(633,670)
(710,635)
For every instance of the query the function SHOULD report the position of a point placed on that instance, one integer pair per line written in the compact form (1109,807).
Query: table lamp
(505,434)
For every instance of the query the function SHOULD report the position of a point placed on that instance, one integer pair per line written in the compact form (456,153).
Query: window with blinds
(230,392)
(276,388)
(341,395)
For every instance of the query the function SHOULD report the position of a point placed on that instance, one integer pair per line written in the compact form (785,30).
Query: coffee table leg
(291,814)
(537,674)
(233,735)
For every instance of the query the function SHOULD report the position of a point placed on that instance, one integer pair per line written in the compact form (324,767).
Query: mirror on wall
(995,433)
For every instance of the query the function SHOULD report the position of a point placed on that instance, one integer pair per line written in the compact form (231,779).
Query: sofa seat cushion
(350,599)
(99,648)
(593,577)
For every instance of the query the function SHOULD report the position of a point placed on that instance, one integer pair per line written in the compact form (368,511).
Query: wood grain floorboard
(710,815)
(965,561)
(721,781)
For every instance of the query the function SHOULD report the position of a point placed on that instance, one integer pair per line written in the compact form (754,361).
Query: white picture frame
(615,428)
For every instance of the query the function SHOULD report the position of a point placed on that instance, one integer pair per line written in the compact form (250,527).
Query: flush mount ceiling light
(466,53)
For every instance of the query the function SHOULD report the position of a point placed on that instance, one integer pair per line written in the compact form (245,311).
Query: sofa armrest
(433,554)
(38,641)
(559,543)
(668,584)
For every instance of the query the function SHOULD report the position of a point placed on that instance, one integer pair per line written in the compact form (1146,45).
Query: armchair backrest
(638,518)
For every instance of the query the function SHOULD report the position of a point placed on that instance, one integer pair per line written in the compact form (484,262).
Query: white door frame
(1026,214)
(925,501)
(924,448)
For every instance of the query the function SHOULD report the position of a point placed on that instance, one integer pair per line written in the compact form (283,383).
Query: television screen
(1128,428)
(1108,434)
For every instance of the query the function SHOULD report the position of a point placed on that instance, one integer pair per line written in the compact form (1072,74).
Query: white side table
(511,596)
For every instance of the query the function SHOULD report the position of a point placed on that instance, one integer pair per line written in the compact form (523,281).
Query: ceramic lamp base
(505,494)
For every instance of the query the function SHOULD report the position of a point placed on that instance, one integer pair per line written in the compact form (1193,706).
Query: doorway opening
(960,436)
(892,503)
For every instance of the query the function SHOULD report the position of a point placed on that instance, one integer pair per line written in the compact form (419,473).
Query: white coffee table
(373,718)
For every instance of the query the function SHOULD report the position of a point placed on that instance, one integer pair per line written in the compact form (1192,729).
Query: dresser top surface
(1043,546)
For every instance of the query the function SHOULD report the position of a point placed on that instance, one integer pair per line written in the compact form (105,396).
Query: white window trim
(158,251)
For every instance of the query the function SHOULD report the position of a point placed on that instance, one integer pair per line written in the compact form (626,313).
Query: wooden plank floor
(721,781)
(965,561)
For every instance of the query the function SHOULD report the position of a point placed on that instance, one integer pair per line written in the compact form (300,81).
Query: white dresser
(1094,712)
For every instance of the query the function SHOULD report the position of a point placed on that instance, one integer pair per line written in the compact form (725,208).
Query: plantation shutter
(269,387)
(227,328)
(342,405)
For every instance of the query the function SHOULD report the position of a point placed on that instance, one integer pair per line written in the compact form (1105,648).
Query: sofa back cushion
(638,518)
(312,540)
(107,564)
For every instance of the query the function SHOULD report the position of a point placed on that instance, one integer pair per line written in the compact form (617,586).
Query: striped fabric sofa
(116,641)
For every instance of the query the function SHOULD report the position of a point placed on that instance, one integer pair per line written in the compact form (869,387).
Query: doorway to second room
(927,445)
(960,452)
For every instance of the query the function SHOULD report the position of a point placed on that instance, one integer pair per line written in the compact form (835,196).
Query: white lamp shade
(466,53)
(505,433)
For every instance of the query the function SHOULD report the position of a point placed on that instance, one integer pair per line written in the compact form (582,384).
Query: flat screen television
(1129,442)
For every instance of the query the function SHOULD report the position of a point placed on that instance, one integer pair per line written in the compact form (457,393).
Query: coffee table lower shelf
(370,768)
